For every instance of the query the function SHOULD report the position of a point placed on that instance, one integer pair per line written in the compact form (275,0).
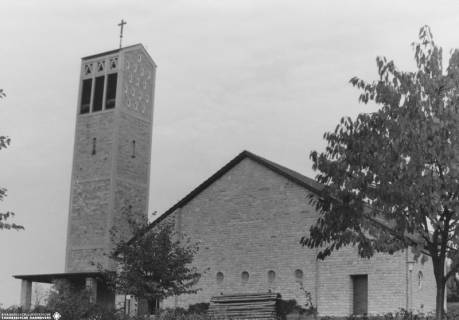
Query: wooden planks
(254,306)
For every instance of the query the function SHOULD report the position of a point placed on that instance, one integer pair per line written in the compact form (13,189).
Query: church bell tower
(111,157)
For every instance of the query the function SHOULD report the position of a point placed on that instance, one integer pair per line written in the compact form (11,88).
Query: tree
(154,265)
(40,295)
(4,143)
(391,177)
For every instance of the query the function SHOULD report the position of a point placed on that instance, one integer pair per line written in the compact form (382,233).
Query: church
(247,219)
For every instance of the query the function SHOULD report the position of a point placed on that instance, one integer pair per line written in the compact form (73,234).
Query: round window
(298,275)
(245,276)
(220,277)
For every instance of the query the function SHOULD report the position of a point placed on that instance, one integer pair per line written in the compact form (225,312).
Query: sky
(260,75)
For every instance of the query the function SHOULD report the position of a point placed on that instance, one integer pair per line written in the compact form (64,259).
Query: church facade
(247,219)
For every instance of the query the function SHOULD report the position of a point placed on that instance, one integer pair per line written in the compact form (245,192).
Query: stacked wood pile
(258,306)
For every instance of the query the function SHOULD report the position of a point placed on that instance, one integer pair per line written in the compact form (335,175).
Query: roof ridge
(290,172)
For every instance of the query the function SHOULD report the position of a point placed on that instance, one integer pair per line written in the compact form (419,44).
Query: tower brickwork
(111,160)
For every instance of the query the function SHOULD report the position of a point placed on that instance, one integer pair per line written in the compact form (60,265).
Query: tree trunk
(439,271)
(440,300)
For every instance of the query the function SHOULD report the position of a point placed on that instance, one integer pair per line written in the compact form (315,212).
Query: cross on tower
(121,24)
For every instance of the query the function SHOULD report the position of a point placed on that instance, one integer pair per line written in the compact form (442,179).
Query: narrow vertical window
(420,279)
(133,149)
(110,97)
(93,152)
(98,94)
(86,96)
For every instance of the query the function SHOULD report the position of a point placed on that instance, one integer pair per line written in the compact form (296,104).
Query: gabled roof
(291,175)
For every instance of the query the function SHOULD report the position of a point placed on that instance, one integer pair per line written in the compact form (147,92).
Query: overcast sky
(265,76)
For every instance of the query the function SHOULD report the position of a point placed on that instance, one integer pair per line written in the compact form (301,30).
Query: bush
(402,314)
(181,314)
(73,303)
(12,309)
(198,308)
(285,307)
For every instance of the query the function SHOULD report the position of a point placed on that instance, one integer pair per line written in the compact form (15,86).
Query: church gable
(247,224)
(246,193)
(304,183)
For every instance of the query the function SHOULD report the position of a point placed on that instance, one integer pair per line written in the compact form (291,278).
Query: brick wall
(243,223)
(425,290)
(386,282)
(89,213)
(87,165)
(107,186)
(133,160)
(86,259)
(132,172)
(251,220)
(130,203)
(90,192)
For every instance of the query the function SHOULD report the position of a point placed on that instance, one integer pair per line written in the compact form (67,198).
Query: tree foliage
(4,216)
(40,295)
(452,289)
(74,303)
(391,177)
(154,265)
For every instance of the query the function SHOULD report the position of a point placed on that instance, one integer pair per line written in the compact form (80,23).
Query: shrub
(73,303)
(181,314)
(285,307)
(198,308)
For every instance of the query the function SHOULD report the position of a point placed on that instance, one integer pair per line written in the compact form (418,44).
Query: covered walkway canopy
(87,279)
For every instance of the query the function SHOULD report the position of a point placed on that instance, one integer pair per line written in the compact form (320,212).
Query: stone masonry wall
(425,289)
(87,165)
(386,282)
(242,223)
(133,159)
(88,229)
(89,213)
(132,173)
(86,259)
(130,203)
(251,220)
(90,190)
